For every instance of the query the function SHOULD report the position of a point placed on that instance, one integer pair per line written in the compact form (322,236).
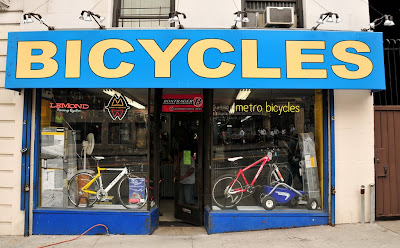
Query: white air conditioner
(279,16)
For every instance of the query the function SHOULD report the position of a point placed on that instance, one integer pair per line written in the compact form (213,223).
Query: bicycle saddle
(98,158)
(234,159)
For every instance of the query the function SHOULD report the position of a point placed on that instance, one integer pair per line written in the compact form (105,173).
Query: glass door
(187,143)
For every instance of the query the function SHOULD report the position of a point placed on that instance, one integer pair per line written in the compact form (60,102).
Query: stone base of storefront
(75,221)
(236,221)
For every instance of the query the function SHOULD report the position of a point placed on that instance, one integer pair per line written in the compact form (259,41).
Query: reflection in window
(79,123)
(251,127)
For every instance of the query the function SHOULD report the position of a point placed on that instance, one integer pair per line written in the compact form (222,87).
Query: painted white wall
(64,14)
(11,108)
(355,14)
(208,13)
(354,144)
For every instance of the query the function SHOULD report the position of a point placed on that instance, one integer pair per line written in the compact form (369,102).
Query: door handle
(384,172)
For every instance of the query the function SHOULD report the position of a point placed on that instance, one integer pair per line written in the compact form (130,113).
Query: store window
(265,154)
(83,128)
(143,13)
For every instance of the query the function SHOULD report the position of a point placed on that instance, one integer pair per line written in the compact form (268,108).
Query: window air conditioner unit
(279,16)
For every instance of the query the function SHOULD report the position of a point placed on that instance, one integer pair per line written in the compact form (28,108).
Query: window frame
(117,14)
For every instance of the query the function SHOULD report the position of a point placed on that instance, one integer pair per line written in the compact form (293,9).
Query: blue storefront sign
(290,59)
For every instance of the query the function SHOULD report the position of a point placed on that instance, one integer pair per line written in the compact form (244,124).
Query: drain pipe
(362,191)
(372,189)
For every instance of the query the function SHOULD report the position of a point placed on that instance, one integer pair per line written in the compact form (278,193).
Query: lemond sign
(195,59)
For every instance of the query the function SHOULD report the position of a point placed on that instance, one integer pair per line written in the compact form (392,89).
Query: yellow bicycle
(85,189)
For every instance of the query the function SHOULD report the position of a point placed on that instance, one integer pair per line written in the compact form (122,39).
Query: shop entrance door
(187,146)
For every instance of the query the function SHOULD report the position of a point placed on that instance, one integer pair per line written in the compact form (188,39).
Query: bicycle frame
(263,161)
(124,171)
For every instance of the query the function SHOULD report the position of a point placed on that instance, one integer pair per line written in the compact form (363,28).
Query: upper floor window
(258,6)
(142,13)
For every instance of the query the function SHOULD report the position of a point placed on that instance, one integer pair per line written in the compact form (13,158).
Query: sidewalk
(382,234)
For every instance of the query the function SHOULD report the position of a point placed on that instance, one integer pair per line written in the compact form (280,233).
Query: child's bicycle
(85,189)
(227,190)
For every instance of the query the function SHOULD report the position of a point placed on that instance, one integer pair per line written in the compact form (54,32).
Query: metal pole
(372,187)
(362,191)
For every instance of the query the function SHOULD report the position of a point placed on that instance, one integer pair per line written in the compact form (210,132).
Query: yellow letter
(250,67)
(25,59)
(96,58)
(196,58)
(365,65)
(161,58)
(73,59)
(295,59)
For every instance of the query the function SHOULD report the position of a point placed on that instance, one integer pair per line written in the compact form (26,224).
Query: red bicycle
(228,190)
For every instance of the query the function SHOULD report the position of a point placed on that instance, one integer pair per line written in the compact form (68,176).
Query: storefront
(232,130)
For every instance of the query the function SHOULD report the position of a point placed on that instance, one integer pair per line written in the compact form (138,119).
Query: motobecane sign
(282,59)
(182,103)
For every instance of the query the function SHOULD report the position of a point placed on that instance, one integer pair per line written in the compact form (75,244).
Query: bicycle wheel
(78,197)
(273,178)
(220,195)
(133,201)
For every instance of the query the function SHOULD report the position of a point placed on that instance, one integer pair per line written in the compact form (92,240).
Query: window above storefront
(142,13)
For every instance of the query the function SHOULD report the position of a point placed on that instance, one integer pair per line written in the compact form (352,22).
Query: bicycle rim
(75,194)
(220,196)
(131,201)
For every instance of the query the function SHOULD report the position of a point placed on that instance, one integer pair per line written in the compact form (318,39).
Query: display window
(94,149)
(266,149)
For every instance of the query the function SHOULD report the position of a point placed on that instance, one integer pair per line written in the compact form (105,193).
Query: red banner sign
(182,103)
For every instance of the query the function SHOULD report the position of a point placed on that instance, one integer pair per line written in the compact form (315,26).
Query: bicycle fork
(277,174)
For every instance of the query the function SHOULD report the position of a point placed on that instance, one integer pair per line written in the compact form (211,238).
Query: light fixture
(328,16)
(232,109)
(174,17)
(245,18)
(387,21)
(243,94)
(92,16)
(131,102)
(238,18)
(27,18)
(245,118)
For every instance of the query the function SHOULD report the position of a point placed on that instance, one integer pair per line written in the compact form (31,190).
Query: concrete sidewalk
(381,234)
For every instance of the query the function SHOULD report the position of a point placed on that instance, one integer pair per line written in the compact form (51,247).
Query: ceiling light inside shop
(245,119)
(130,101)
(232,109)
(243,94)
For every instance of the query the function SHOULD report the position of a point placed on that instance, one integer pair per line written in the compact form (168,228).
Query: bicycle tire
(218,192)
(285,172)
(75,193)
(123,194)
